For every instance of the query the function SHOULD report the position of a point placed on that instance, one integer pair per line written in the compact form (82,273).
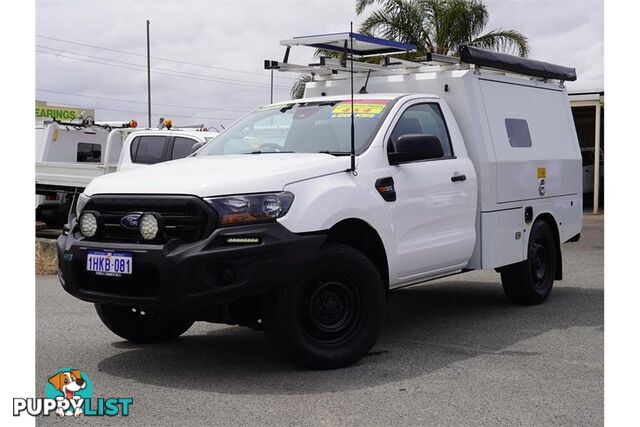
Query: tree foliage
(439,26)
(436,26)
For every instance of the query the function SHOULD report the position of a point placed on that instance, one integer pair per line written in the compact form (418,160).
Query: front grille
(186,218)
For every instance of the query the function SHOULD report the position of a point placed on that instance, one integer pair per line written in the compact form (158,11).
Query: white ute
(70,154)
(289,223)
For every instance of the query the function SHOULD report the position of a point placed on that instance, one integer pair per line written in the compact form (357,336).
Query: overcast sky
(218,48)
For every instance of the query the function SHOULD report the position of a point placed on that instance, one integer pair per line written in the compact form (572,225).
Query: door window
(423,119)
(182,147)
(148,149)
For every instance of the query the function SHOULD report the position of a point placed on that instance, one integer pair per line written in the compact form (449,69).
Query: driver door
(434,230)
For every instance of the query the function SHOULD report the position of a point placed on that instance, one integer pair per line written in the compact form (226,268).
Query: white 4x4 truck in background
(70,154)
(290,222)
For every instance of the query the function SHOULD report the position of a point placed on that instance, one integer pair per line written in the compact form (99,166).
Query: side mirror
(196,147)
(413,147)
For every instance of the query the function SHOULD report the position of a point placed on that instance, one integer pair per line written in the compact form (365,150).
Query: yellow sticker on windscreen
(362,109)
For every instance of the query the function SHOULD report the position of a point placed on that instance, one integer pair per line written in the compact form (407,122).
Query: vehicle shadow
(427,328)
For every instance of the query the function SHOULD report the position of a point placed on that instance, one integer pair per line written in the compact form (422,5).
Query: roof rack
(90,123)
(367,46)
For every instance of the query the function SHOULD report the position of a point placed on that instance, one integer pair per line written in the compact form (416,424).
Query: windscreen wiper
(270,152)
(335,153)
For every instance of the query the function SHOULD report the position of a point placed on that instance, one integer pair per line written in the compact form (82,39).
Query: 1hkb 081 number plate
(109,263)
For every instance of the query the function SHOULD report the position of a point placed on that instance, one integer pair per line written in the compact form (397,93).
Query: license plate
(106,263)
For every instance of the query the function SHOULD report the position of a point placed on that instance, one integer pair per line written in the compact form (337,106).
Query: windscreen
(312,127)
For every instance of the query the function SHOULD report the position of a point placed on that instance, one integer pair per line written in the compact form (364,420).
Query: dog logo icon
(70,385)
(69,393)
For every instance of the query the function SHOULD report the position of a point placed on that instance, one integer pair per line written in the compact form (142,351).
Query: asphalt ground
(453,352)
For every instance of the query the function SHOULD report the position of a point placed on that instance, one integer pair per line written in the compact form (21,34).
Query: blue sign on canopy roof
(362,44)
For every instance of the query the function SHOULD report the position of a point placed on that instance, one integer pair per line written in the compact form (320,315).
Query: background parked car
(588,169)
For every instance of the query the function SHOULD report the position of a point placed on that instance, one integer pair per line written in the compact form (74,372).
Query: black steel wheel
(531,281)
(334,315)
(331,308)
(539,263)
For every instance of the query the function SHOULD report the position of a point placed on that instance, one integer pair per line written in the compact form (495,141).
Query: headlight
(249,208)
(88,222)
(83,199)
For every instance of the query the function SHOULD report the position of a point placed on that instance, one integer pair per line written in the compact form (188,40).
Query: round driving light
(88,224)
(149,226)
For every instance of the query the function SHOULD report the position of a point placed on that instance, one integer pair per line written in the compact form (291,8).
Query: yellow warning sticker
(364,110)
(542,173)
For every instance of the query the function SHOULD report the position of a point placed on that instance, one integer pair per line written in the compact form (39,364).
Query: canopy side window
(518,133)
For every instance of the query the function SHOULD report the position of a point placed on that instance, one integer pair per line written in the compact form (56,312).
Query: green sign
(57,112)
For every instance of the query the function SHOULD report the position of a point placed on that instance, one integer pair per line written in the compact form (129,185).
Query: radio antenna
(353,120)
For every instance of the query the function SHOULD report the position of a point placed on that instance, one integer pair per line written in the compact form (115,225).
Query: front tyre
(141,326)
(530,281)
(332,317)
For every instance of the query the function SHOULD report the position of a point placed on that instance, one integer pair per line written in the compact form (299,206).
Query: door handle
(456,178)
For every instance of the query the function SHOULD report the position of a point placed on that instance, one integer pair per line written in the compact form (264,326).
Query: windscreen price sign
(362,109)
(46,111)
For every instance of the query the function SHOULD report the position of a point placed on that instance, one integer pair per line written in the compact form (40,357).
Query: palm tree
(436,26)
(297,90)
(439,26)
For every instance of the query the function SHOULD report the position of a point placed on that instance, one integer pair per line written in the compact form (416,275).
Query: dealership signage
(46,111)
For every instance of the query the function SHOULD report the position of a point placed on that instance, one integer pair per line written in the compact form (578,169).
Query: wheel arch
(361,236)
(549,219)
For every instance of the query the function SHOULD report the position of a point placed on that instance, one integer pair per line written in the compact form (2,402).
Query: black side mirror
(196,147)
(413,147)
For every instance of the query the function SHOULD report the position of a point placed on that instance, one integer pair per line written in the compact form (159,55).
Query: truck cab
(303,215)
(148,147)
(69,155)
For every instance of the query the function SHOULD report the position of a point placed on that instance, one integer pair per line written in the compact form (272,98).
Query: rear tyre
(141,326)
(333,316)
(530,281)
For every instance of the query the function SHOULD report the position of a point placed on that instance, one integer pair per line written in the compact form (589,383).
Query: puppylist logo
(69,393)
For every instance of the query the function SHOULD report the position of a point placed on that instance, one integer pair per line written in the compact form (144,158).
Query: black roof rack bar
(515,64)
(87,124)
(435,57)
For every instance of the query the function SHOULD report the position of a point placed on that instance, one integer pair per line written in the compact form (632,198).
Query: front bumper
(194,276)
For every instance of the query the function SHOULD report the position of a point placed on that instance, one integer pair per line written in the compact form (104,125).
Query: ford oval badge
(131,220)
